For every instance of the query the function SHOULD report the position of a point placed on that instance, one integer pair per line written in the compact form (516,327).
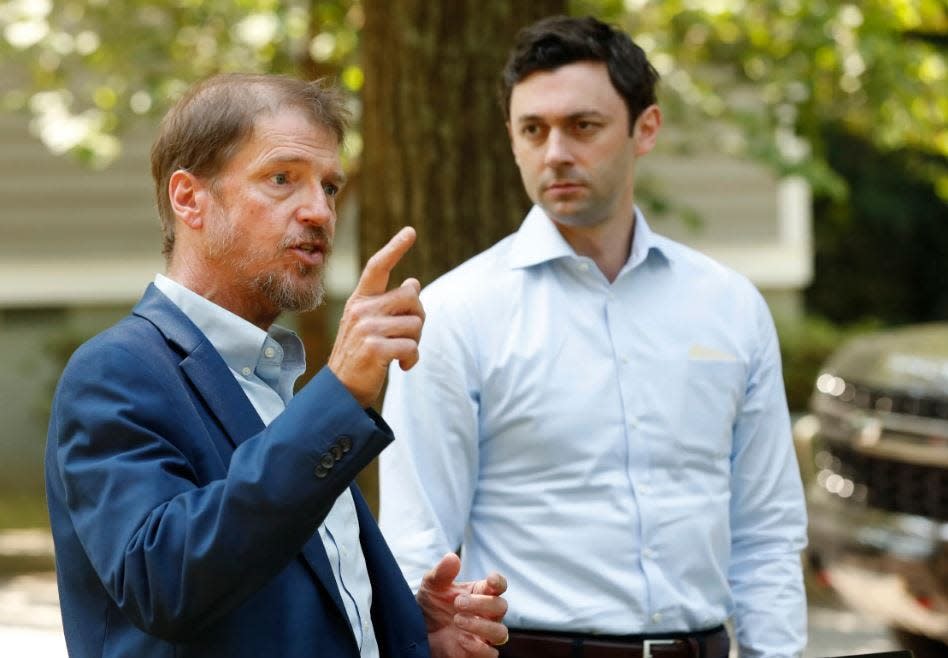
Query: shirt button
(246,371)
(633,423)
(269,352)
(649,553)
(584,266)
(645,489)
(624,360)
(657,617)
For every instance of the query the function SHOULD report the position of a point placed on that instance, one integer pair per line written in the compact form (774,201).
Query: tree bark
(317,327)
(436,154)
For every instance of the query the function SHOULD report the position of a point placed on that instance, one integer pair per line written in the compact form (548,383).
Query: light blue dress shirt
(620,451)
(266,364)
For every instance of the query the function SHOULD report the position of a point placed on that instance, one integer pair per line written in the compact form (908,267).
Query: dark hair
(207,126)
(555,41)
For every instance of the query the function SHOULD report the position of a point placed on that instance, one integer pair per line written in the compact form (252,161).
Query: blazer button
(345,442)
(327,461)
(320,471)
(336,450)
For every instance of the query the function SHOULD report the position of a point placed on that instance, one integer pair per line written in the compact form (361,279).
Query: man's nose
(317,208)
(557,149)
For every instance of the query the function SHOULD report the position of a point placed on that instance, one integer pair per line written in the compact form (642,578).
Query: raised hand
(378,326)
(463,619)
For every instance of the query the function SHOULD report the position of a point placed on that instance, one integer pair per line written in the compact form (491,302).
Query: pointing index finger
(374,279)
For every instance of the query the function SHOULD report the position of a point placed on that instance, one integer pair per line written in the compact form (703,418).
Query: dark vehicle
(878,495)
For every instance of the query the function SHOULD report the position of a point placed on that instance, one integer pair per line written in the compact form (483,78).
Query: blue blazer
(185,528)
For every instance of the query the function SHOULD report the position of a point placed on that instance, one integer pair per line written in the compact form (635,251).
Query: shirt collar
(538,241)
(240,343)
(644,243)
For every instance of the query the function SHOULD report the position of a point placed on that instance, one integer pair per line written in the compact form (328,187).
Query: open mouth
(311,253)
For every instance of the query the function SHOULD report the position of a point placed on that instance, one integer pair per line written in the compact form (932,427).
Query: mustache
(315,237)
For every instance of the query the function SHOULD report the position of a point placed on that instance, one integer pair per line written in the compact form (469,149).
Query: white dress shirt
(620,451)
(266,364)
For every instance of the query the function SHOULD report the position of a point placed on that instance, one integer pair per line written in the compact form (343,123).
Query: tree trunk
(436,154)
(317,328)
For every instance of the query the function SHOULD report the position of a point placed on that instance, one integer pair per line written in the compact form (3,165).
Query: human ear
(187,193)
(645,132)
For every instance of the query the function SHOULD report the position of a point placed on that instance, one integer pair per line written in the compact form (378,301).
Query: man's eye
(330,189)
(530,130)
(585,126)
(280,179)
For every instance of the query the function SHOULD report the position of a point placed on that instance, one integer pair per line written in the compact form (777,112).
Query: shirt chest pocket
(712,391)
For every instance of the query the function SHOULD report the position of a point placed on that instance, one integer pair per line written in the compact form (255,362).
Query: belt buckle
(648,644)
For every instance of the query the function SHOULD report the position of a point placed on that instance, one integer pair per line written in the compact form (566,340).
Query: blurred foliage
(804,346)
(21,510)
(58,348)
(759,78)
(763,77)
(85,68)
(884,252)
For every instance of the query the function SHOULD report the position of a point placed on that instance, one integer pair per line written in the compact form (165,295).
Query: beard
(291,293)
(296,290)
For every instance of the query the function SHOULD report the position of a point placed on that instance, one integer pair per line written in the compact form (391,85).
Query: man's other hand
(463,619)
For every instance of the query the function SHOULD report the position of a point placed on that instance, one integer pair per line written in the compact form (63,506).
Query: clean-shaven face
(569,128)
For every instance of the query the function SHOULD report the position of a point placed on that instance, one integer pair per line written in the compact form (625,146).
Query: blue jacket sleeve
(179,531)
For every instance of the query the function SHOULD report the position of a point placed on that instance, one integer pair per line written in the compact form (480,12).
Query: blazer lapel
(399,625)
(314,556)
(222,393)
(216,385)
(203,366)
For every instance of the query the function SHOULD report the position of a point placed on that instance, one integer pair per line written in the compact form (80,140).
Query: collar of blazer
(216,385)
(203,365)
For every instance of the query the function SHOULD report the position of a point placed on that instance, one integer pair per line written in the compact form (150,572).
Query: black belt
(713,643)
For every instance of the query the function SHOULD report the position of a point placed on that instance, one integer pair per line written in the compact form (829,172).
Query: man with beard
(599,411)
(199,508)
